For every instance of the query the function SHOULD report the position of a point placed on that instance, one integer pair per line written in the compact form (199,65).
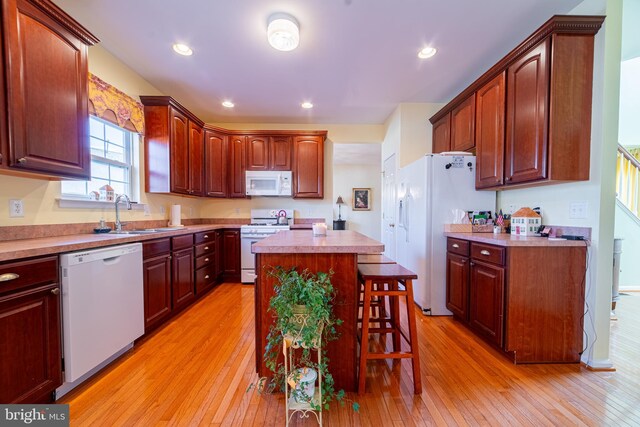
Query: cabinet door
(458,285)
(308,167)
(441,134)
(486,302)
(490,111)
(215,154)
(220,250)
(182,283)
(280,153)
(257,153)
(47,101)
(237,166)
(31,365)
(157,290)
(463,125)
(527,113)
(196,160)
(231,255)
(179,141)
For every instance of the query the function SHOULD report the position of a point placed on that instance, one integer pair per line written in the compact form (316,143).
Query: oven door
(247,259)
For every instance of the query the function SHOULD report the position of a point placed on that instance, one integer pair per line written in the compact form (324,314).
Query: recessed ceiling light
(427,52)
(282,32)
(182,49)
(306,105)
(228,104)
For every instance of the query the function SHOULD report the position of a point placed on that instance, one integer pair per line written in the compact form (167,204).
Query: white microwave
(268,183)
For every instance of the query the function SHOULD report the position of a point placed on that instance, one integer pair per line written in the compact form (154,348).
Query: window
(111,161)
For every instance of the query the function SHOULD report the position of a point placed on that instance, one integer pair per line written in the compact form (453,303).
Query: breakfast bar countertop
(303,241)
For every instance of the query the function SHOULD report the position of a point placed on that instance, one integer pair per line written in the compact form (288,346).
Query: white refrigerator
(429,190)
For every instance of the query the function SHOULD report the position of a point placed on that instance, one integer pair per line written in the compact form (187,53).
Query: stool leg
(364,341)
(413,333)
(395,301)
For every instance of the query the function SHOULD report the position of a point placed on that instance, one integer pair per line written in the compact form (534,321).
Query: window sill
(95,204)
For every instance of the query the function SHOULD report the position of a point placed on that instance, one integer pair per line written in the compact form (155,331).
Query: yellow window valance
(111,104)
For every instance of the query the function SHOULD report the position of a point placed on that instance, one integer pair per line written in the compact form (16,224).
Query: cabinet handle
(508,178)
(8,276)
(206,260)
(206,277)
(472,263)
(22,160)
(455,245)
(206,248)
(464,261)
(485,252)
(206,236)
(169,257)
(55,291)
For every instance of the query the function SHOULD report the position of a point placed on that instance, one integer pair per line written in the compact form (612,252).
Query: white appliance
(264,223)
(102,308)
(430,188)
(268,183)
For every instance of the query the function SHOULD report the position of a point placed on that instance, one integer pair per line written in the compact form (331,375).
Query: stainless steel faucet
(118,223)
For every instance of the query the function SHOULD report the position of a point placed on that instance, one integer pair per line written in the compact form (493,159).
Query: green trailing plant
(316,293)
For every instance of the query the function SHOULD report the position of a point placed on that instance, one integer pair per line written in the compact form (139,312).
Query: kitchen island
(337,252)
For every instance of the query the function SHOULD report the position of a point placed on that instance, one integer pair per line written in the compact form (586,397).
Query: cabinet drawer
(487,253)
(204,260)
(457,246)
(205,248)
(206,236)
(181,242)
(204,278)
(21,274)
(154,248)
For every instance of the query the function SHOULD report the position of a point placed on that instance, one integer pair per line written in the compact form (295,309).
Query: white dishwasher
(102,308)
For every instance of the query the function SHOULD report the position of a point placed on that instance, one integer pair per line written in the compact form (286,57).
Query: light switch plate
(578,210)
(16,208)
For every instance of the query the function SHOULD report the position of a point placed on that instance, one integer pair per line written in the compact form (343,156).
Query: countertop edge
(507,240)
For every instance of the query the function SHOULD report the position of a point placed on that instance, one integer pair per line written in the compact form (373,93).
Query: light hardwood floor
(198,368)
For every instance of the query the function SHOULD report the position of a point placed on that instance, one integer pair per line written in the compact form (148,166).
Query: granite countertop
(504,239)
(302,241)
(15,249)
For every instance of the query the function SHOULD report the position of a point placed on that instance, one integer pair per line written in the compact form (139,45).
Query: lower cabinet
(30,353)
(182,264)
(231,256)
(527,301)
(157,282)
(206,261)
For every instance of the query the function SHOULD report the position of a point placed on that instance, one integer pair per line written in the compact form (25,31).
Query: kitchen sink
(146,230)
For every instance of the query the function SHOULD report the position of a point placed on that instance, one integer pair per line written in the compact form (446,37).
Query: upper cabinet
(532,118)
(442,134)
(45,126)
(268,153)
(215,161)
(174,152)
(280,153)
(308,167)
(237,165)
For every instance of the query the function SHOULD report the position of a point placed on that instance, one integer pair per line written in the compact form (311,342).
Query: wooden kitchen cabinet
(231,255)
(237,166)
(463,125)
(157,282)
(30,354)
(268,153)
(216,155)
(280,153)
(46,120)
(182,271)
(489,128)
(219,255)
(544,87)
(308,167)
(527,301)
(174,148)
(442,134)
(206,261)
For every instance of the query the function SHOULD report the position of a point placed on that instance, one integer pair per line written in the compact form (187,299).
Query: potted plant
(303,310)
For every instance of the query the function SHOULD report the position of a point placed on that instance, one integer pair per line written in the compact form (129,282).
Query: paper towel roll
(175,215)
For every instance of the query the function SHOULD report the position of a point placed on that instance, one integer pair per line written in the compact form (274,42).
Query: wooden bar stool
(391,281)
(377,304)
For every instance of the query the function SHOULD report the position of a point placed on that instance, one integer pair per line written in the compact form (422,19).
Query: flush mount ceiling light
(427,52)
(282,32)
(228,104)
(306,105)
(182,49)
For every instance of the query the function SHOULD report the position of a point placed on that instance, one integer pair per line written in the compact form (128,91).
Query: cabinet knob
(455,245)
(472,263)
(169,257)
(55,291)
(206,277)
(206,248)
(508,178)
(485,252)
(22,160)
(8,276)
(206,236)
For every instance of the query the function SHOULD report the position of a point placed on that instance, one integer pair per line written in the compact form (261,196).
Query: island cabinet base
(342,353)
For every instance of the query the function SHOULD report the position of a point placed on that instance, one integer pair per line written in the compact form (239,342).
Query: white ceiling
(357,154)
(357,59)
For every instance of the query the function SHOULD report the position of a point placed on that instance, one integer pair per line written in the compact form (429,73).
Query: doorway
(389,206)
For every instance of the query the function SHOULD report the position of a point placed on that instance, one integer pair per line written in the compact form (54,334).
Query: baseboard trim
(604,367)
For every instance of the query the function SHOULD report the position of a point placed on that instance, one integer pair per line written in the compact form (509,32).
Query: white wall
(347,177)
(628,229)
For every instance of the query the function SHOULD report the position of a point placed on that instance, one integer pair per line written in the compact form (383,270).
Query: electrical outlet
(578,210)
(147,211)
(16,208)
(163,210)
(511,209)
(191,211)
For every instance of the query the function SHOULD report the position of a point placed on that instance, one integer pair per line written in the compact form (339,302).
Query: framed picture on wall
(361,199)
